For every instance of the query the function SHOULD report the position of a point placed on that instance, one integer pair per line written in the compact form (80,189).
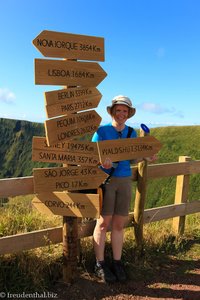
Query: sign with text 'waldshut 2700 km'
(68,152)
(71,46)
(71,100)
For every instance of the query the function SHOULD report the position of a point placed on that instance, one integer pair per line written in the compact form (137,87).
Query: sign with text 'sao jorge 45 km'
(71,115)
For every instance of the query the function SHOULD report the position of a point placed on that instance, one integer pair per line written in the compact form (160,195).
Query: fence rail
(24,186)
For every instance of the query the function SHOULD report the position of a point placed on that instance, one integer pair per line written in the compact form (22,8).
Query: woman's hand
(107,163)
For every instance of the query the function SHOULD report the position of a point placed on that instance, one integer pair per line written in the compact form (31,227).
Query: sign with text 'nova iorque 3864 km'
(71,46)
(64,72)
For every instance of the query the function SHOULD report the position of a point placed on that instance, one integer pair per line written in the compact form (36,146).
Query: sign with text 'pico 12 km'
(130,148)
(72,126)
(68,152)
(72,73)
(70,178)
(71,100)
(71,46)
(68,204)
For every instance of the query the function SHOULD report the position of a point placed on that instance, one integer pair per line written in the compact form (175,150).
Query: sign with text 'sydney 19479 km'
(70,178)
(72,73)
(71,100)
(71,46)
(72,126)
(68,204)
(69,152)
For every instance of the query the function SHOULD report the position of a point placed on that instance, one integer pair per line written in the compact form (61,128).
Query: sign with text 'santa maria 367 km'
(69,152)
(70,178)
(72,126)
(72,73)
(68,204)
(71,100)
(71,46)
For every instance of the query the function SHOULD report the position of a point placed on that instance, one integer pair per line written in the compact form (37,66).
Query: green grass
(39,269)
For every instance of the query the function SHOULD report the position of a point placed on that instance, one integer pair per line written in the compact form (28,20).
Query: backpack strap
(130,130)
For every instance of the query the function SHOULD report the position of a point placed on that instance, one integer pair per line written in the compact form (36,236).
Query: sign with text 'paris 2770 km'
(72,73)
(71,100)
(71,46)
(72,126)
(69,152)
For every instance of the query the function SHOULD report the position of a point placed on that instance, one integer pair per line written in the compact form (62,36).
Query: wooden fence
(181,207)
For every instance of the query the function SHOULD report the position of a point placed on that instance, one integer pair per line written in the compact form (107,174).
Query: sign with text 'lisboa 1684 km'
(71,46)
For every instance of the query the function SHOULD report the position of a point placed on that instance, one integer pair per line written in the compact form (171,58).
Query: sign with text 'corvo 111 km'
(67,178)
(72,73)
(71,46)
(72,126)
(70,100)
(69,152)
(68,204)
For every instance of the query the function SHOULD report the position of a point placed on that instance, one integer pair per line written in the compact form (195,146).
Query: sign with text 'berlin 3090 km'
(71,100)
(71,46)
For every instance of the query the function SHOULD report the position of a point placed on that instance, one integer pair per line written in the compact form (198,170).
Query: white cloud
(158,109)
(7,96)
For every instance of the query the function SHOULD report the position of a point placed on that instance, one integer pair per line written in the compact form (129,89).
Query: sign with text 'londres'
(72,126)
(70,178)
(69,152)
(72,73)
(70,100)
(68,204)
(130,148)
(71,46)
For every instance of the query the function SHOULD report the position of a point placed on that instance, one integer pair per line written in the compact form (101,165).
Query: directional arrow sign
(130,148)
(70,100)
(67,178)
(71,46)
(68,152)
(73,73)
(68,204)
(72,126)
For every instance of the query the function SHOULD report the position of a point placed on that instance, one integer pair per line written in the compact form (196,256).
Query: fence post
(139,203)
(181,196)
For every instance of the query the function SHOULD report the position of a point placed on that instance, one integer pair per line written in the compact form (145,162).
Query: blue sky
(152,55)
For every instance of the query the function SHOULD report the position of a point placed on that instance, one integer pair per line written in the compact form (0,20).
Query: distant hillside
(16,151)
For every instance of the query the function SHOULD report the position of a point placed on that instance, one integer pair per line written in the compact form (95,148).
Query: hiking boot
(118,270)
(102,271)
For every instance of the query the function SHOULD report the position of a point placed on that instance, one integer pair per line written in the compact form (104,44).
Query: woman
(117,195)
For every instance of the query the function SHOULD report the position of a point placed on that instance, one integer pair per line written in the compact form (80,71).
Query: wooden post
(139,203)
(181,196)
(70,242)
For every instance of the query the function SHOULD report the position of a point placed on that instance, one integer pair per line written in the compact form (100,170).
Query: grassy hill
(16,150)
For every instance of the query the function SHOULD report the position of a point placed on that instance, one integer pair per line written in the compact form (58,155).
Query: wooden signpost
(64,72)
(68,204)
(127,149)
(70,178)
(72,126)
(71,46)
(71,100)
(69,152)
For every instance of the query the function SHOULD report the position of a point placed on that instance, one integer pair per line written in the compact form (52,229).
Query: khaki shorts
(117,196)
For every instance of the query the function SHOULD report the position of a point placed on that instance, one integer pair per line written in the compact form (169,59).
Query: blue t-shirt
(108,132)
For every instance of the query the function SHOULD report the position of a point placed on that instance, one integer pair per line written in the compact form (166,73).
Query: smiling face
(120,114)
